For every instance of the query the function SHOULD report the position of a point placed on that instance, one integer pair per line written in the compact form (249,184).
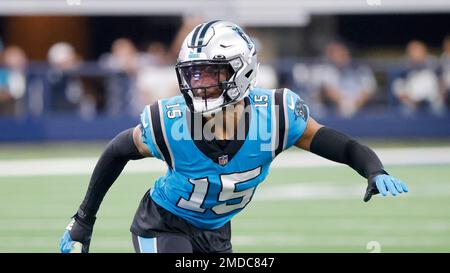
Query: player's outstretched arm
(126,146)
(338,147)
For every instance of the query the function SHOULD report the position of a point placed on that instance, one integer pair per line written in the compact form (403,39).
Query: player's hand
(384,183)
(77,237)
(67,245)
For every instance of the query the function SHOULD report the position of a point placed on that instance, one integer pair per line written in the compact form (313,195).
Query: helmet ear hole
(232,93)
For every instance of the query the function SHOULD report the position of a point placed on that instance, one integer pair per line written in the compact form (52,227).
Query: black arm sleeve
(111,163)
(336,146)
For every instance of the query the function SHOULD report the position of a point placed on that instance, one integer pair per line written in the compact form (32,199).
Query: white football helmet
(217,66)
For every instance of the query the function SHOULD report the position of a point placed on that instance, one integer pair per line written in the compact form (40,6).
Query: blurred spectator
(154,83)
(308,81)
(267,76)
(157,79)
(6,99)
(345,86)
(417,87)
(123,57)
(445,68)
(125,60)
(157,54)
(66,90)
(62,56)
(14,78)
(188,24)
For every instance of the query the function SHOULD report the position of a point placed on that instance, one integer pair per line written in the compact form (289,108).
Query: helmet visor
(205,81)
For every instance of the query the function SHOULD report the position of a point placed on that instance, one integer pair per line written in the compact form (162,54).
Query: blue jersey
(207,186)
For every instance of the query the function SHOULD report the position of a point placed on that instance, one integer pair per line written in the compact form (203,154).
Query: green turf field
(77,149)
(330,218)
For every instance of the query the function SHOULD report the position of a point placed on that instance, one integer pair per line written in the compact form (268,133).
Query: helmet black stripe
(202,34)
(194,36)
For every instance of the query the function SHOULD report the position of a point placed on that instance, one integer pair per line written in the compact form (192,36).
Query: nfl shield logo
(223,159)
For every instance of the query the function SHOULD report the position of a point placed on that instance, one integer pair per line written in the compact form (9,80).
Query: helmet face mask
(216,66)
(206,82)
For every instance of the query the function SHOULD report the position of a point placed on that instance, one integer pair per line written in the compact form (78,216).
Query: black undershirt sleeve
(109,166)
(338,147)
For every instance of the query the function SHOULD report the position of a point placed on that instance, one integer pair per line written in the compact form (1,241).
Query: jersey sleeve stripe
(164,132)
(286,119)
(152,134)
(158,133)
(274,125)
(280,120)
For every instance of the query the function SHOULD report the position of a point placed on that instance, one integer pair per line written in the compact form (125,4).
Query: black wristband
(338,147)
(85,219)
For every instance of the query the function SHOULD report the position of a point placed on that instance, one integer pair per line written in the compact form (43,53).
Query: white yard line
(83,166)
(327,190)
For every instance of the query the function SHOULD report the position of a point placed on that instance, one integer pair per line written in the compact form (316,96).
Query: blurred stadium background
(75,73)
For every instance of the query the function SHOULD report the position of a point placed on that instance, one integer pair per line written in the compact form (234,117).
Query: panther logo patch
(300,110)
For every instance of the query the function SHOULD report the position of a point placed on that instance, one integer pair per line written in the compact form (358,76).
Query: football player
(218,140)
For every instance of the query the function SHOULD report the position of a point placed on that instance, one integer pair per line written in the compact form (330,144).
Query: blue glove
(384,183)
(67,245)
(77,236)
